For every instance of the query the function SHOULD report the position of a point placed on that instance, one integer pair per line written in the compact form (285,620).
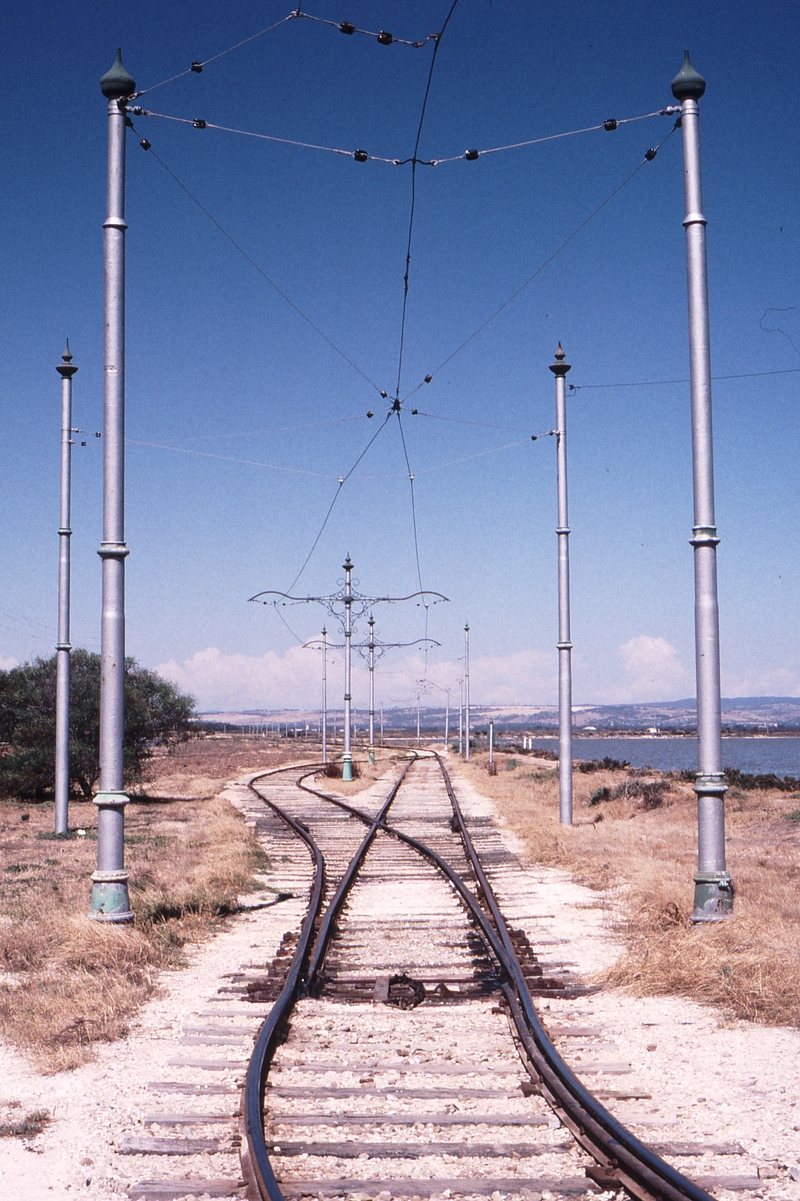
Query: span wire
(657,383)
(649,156)
(148,147)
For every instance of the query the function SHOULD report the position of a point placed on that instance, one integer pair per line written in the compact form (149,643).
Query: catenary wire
(653,383)
(206,454)
(147,146)
(649,156)
(280,429)
(437,43)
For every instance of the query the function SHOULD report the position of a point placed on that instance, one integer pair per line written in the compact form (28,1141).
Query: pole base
(110,900)
(713,897)
(347,768)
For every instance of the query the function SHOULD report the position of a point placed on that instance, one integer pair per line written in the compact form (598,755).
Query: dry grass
(646,858)
(67,982)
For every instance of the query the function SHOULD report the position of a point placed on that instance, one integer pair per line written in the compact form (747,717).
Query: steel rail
(256,1164)
(609,1142)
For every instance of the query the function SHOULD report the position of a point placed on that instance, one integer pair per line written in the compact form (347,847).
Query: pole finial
(66,369)
(116,84)
(560,367)
(688,84)
(67,355)
(348,563)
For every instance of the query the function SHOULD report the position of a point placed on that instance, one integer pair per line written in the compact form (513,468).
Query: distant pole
(417,721)
(713,889)
(460,718)
(66,370)
(347,758)
(371,624)
(447,721)
(381,725)
(560,369)
(324,695)
(491,742)
(110,900)
(466,689)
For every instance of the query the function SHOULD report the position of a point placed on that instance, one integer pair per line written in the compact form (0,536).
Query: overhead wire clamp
(651,153)
(470,155)
(361,156)
(197,67)
(347,27)
(385,38)
(610,124)
(198,123)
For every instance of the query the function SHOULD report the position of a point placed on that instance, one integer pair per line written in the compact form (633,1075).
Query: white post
(560,369)
(66,370)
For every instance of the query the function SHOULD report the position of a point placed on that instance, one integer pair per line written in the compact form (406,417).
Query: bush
(743,779)
(155,714)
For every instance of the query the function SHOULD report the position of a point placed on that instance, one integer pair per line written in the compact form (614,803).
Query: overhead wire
(649,156)
(279,429)
(206,454)
(148,147)
(653,383)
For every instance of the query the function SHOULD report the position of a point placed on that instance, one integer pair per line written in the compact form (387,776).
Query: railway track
(403,1055)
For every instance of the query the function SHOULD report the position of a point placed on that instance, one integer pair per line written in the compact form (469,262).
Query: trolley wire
(653,383)
(649,156)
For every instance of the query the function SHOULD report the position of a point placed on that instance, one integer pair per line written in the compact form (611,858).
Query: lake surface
(756,755)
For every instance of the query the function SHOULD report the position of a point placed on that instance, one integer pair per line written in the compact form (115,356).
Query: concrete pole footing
(713,897)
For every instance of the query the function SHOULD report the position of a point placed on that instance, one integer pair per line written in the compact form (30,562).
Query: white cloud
(654,670)
(779,681)
(228,682)
(6,663)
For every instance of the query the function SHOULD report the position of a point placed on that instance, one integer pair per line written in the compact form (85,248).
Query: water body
(756,755)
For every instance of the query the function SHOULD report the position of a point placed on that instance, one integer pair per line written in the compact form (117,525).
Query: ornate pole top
(560,367)
(688,84)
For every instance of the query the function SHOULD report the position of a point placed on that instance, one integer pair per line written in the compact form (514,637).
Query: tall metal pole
(560,369)
(713,890)
(447,721)
(371,624)
(110,900)
(381,725)
(417,721)
(324,695)
(460,718)
(466,690)
(347,758)
(66,370)
(491,742)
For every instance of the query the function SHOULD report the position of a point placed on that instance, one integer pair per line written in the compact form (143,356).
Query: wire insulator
(145,145)
(384,394)
(128,122)
(428,379)
(651,153)
(370,413)
(347,27)
(197,67)
(385,38)
(470,155)
(415,412)
(534,437)
(361,156)
(610,124)
(198,123)
(137,112)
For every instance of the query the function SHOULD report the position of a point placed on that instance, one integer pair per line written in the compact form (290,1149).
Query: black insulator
(470,155)
(361,156)
(198,123)
(610,124)
(385,38)
(428,379)
(370,413)
(651,153)
(84,443)
(145,145)
(98,435)
(347,27)
(128,122)
(415,412)
(137,112)
(197,67)
(534,437)
(384,394)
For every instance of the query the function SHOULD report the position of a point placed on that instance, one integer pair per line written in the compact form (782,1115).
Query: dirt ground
(634,840)
(67,982)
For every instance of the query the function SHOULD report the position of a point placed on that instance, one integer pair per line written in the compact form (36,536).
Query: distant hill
(756,713)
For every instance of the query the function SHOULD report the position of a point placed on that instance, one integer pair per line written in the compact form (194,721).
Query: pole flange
(111,799)
(347,767)
(113,550)
(704,535)
(710,783)
(713,897)
(110,900)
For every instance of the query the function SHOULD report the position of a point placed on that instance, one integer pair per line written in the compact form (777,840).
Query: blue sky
(262,416)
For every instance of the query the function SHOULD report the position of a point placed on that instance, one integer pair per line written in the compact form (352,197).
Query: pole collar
(113,223)
(564,646)
(563,529)
(111,799)
(65,531)
(704,535)
(710,784)
(694,219)
(113,550)
(63,646)
(110,877)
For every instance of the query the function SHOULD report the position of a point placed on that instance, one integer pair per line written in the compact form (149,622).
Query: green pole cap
(688,84)
(117,83)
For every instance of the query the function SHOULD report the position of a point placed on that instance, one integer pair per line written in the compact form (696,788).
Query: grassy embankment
(637,843)
(67,982)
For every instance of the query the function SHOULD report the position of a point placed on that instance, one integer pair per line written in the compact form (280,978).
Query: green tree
(155,714)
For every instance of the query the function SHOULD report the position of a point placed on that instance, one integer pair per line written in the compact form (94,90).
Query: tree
(155,714)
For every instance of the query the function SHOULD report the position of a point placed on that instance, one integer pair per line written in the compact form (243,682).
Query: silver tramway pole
(110,900)
(447,721)
(324,694)
(466,690)
(347,757)
(460,718)
(713,889)
(560,369)
(66,369)
(371,624)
